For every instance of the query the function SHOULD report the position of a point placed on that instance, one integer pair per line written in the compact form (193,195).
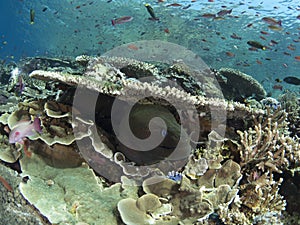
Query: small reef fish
(275,28)
(277,87)
(256,45)
(263,38)
(297,58)
(230,54)
(151,12)
(274,42)
(32,16)
(234,36)
(224,12)
(292,80)
(24,129)
(187,6)
(121,20)
(264,32)
(292,48)
(259,62)
(174,5)
(271,21)
(208,15)
(6,184)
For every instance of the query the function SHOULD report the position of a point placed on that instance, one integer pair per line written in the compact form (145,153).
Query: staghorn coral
(262,151)
(268,147)
(262,197)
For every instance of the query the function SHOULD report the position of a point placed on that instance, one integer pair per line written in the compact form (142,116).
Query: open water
(73,27)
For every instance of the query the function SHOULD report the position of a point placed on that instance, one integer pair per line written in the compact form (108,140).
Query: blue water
(74,27)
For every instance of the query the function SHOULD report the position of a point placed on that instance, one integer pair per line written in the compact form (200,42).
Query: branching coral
(268,147)
(264,150)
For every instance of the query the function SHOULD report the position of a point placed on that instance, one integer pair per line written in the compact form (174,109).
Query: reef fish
(32,15)
(174,4)
(256,45)
(224,12)
(292,80)
(121,20)
(24,129)
(151,12)
(271,21)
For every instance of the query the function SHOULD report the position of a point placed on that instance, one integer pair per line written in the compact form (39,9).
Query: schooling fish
(32,15)
(256,45)
(151,12)
(271,21)
(292,80)
(121,20)
(24,129)
(224,12)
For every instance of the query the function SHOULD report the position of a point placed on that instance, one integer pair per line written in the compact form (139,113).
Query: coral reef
(243,170)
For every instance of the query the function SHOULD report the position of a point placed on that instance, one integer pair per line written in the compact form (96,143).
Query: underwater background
(68,84)
(72,27)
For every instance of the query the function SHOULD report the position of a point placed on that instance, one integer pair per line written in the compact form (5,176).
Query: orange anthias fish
(230,54)
(6,184)
(121,20)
